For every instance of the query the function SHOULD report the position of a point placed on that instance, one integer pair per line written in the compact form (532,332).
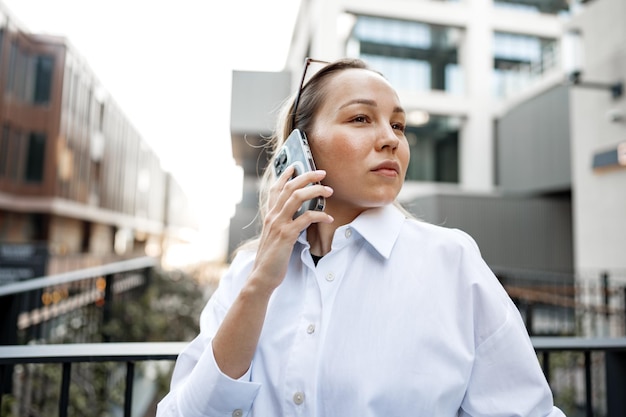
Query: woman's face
(358,138)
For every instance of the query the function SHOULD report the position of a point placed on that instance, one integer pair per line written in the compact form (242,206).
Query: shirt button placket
(330,277)
(237,413)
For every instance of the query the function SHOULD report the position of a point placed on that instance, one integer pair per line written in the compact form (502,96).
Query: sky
(168,65)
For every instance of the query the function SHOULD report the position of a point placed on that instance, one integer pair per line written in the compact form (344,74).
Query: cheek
(404,155)
(328,153)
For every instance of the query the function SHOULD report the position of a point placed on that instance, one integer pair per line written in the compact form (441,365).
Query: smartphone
(295,151)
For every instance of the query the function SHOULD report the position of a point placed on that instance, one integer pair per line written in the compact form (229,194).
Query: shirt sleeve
(506,378)
(198,387)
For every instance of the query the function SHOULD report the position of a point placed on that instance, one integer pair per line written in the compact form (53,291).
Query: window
(15,151)
(35,157)
(29,77)
(414,56)
(4,151)
(43,79)
(519,59)
(536,6)
(13,51)
(434,150)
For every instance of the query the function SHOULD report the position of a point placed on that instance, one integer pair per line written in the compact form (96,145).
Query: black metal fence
(611,402)
(27,306)
(564,304)
(588,375)
(67,355)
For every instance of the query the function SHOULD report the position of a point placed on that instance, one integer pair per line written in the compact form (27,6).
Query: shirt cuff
(208,391)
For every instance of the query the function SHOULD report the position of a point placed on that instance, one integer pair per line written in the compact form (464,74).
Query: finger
(278,185)
(300,195)
(309,217)
(305,179)
(284,188)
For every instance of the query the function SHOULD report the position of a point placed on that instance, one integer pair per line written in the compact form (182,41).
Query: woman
(357,310)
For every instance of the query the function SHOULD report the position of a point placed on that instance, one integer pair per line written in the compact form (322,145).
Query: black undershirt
(316,259)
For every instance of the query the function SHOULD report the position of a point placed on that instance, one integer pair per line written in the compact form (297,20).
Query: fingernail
(328,188)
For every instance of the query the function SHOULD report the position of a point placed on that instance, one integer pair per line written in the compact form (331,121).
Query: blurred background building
(78,185)
(516,127)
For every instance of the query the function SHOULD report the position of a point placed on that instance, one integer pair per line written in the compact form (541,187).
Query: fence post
(624,307)
(615,363)
(605,293)
(107,308)
(9,305)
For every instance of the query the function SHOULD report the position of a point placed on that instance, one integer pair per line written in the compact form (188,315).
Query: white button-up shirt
(400,318)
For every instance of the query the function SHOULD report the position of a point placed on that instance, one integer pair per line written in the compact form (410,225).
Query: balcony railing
(68,354)
(592,370)
(613,349)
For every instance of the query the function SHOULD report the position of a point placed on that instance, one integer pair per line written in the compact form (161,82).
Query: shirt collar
(380,227)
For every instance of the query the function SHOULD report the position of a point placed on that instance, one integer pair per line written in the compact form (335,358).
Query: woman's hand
(280,229)
(236,340)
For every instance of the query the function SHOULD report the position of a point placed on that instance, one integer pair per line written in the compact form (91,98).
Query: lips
(388,168)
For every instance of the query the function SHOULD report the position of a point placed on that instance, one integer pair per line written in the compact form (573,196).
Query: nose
(387,138)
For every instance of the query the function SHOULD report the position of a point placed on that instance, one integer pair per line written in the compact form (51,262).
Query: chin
(380,202)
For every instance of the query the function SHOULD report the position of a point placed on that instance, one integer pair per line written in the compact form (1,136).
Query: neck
(320,235)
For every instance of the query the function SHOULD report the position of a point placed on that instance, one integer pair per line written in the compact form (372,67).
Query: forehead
(364,84)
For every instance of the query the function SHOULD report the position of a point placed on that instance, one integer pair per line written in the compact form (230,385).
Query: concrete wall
(533,144)
(599,197)
(520,232)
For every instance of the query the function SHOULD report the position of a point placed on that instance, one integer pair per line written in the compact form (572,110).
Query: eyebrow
(367,102)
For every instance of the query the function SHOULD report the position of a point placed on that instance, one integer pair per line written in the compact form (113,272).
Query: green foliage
(167,309)
(8,401)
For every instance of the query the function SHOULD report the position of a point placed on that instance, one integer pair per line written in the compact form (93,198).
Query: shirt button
(298,398)
(330,277)
(237,413)
(310,329)
(348,233)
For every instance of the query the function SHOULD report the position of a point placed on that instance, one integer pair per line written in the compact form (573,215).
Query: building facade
(76,178)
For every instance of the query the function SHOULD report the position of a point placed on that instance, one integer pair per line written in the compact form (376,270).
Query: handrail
(138,351)
(579,344)
(67,354)
(90,352)
(72,276)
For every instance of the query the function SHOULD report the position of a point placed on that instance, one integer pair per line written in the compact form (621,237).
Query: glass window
(21,77)
(15,152)
(434,150)
(536,6)
(43,79)
(4,150)
(414,56)
(519,59)
(13,51)
(35,157)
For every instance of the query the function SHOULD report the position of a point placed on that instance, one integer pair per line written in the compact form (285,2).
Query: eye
(360,119)
(398,126)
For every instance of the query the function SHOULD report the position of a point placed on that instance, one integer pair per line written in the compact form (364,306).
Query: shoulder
(430,236)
